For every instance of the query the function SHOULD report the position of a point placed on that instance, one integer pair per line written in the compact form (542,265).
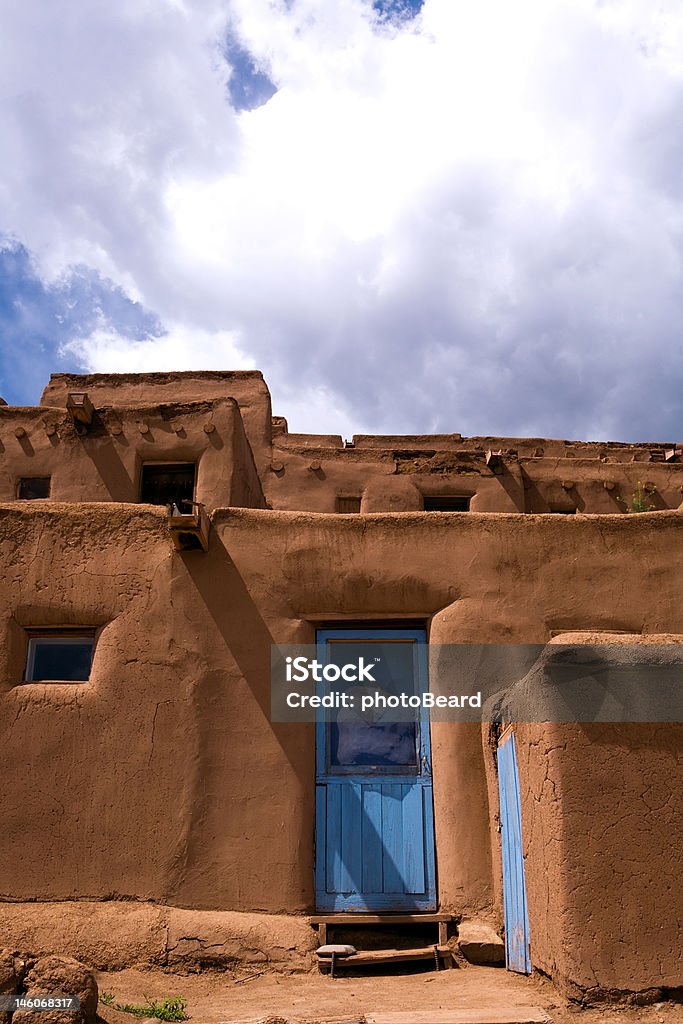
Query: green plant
(172,1008)
(640,499)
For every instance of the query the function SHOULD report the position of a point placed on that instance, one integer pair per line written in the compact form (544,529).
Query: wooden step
(324,921)
(361,918)
(365,958)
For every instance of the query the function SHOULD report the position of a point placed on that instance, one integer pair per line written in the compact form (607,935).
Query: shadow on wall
(110,468)
(247,637)
(513,487)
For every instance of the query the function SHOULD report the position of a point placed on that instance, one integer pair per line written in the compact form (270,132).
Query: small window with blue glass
(59,657)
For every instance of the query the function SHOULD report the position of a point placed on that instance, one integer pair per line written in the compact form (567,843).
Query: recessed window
(562,511)
(168,483)
(59,657)
(348,505)
(32,487)
(446,503)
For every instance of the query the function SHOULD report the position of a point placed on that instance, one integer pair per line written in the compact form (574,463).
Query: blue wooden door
(517,953)
(374,810)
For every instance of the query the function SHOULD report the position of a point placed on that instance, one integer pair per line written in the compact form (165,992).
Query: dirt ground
(214,997)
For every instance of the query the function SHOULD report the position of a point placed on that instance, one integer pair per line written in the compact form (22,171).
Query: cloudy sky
(449,215)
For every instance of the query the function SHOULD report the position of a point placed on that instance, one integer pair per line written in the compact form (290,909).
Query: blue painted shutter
(517,950)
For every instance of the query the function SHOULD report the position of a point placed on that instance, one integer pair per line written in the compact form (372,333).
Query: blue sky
(36,319)
(412,216)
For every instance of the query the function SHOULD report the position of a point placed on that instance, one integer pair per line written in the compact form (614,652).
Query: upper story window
(348,505)
(446,503)
(61,657)
(168,483)
(32,487)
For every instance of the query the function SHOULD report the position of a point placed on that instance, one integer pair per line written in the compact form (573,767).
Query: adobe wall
(309,472)
(310,478)
(104,463)
(601,809)
(247,387)
(163,779)
(306,475)
(533,475)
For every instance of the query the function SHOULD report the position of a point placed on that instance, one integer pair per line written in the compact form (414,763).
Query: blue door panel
(373,845)
(373,873)
(333,810)
(374,831)
(414,852)
(392,839)
(351,839)
(517,951)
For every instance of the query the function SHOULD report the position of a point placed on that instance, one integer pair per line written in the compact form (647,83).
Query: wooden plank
(372,838)
(333,825)
(430,847)
(320,842)
(413,839)
(351,838)
(512,1015)
(388,918)
(392,835)
(380,956)
(443,951)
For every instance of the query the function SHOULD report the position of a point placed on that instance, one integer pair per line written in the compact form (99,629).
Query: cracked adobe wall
(602,807)
(163,778)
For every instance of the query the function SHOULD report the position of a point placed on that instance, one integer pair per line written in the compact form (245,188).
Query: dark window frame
(59,637)
(430,502)
(162,465)
(349,498)
(24,480)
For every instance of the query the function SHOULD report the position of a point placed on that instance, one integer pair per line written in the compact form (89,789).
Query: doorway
(374,808)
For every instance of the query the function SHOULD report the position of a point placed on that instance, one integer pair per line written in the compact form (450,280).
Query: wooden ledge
(361,918)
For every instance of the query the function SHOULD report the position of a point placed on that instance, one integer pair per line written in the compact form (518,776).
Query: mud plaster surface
(214,997)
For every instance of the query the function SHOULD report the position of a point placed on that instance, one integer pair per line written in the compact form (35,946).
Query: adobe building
(152,811)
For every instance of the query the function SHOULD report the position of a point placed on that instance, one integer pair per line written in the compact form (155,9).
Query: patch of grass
(172,1008)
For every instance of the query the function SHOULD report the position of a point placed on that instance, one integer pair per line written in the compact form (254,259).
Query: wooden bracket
(81,409)
(189,532)
(494,460)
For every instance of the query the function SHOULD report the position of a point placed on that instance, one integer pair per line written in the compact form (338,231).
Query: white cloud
(473,222)
(105,350)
